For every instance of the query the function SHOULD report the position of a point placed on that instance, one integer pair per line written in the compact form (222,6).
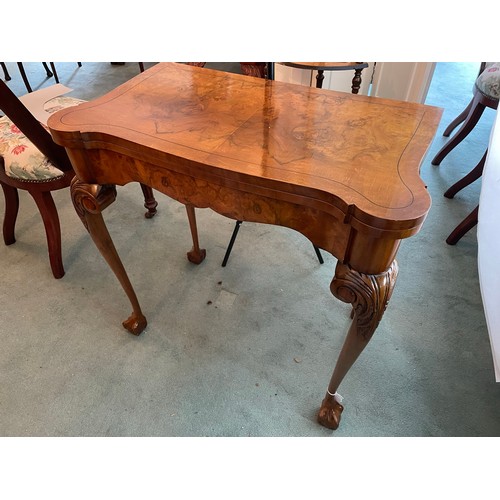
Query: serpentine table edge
(341,169)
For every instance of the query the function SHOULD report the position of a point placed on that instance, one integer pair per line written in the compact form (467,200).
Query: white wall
(406,81)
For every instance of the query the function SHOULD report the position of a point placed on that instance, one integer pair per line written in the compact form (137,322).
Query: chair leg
(473,175)
(465,129)
(458,120)
(141,67)
(53,67)
(318,254)
(24,77)
(149,201)
(466,225)
(11,211)
(6,75)
(47,70)
(48,211)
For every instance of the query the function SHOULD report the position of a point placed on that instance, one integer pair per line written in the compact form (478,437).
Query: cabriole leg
(89,201)
(369,295)
(196,255)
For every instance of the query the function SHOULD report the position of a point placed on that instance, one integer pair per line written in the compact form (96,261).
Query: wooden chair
(32,161)
(486,94)
(471,220)
(50,72)
(6,75)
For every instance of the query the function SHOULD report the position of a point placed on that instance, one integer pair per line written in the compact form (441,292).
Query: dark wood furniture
(6,75)
(469,118)
(321,67)
(50,73)
(41,190)
(341,169)
(476,108)
(471,220)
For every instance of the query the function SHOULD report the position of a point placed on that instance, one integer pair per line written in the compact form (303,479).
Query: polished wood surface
(341,169)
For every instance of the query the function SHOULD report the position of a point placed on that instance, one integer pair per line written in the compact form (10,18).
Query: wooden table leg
(356,81)
(149,201)
(319,78)
(89,201)
(196,255)
(369,295)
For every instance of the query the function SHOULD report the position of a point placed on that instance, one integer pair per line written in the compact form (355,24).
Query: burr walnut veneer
(339,168)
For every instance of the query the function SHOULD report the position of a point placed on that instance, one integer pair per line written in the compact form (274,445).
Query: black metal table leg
(318,254)
(231,242)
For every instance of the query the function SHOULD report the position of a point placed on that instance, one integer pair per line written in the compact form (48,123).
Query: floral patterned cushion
(488,82)
(21,157)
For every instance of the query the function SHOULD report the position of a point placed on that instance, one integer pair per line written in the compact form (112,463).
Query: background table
(321,67)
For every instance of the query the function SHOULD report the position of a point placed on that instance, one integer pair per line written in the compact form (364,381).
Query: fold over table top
(360,154)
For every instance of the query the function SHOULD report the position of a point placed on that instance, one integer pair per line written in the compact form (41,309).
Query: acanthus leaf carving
(369,294)
(91,198)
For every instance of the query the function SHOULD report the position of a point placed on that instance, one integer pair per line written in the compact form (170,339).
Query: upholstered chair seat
(31,161)
(488,82)
(21,158)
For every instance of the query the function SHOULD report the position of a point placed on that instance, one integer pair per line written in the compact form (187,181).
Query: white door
(406,81)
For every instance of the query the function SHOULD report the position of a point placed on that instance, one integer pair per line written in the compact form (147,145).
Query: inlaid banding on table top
(266,152)
(287,133)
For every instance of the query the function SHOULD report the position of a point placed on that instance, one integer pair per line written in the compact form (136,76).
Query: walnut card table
(341,169)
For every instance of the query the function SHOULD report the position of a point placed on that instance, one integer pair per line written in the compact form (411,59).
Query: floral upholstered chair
(32,161)
(486,94)
(22,159)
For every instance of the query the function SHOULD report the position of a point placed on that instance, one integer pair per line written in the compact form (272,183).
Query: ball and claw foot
(329,413)
(150,213)
(135,324)
(197,257)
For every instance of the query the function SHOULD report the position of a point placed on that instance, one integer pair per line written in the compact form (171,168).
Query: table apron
(367,249)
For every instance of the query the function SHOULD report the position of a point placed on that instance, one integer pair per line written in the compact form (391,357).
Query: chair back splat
(31,127)
(30,160)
